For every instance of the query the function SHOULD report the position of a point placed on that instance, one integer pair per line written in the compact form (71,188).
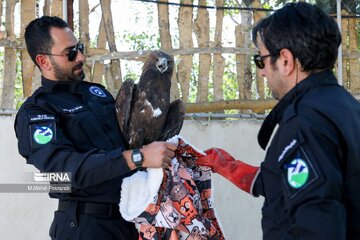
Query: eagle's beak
(162,65)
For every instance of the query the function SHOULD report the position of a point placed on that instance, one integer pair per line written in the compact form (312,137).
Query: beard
(70,74)
(275,95)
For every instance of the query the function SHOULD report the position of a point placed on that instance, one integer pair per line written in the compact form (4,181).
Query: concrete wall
(28,215)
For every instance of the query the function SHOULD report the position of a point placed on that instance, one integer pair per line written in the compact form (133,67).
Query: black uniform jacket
(310,177)
(71,127)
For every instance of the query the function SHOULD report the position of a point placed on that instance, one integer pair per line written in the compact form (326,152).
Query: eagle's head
(160,61)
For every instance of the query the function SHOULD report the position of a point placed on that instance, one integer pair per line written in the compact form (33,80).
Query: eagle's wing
(123,106)
(174,120)
(140,120)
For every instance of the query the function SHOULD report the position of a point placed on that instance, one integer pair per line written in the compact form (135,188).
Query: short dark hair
(37,35)
(312,36)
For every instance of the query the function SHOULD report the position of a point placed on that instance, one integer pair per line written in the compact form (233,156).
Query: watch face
(137,157)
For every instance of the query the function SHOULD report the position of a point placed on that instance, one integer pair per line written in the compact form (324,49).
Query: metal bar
(5,112)
(222,115)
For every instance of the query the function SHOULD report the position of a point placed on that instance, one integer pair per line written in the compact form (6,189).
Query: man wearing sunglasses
(311,173)
(69,126)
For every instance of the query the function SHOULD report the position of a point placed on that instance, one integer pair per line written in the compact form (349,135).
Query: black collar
(58,86)
(275,116)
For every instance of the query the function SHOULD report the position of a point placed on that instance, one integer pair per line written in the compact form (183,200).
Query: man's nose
(80,57)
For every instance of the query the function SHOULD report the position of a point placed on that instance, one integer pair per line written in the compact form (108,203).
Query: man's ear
(286,61)
(44,62)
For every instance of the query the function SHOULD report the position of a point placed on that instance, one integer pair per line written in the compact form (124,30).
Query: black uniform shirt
(311,173)
(70,126)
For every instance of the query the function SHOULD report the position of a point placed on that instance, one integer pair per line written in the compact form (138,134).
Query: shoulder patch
(42,133)
(298,172)
(95,90)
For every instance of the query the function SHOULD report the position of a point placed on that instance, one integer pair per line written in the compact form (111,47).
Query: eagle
(144,111)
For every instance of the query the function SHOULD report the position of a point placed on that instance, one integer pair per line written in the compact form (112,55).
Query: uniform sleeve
(43,144)
(258,188)
(312,181)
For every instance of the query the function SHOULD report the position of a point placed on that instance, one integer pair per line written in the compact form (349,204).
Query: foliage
(142,41)
(146,39)
(130,75)
(130,72)
(230,86)
(194,82)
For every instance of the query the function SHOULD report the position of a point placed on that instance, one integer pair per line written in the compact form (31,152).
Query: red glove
(239,173)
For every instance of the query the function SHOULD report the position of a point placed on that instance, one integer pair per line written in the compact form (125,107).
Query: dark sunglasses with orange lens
(259,60)
(72,54)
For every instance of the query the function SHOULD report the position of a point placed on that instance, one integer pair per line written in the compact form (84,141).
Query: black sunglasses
(259,60)
(72,53)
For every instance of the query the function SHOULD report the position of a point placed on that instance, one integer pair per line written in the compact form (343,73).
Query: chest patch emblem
(43,134)
(297,173)
(97,91)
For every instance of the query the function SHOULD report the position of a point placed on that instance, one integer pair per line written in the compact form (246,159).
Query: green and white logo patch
(298,173)
(42,129)
(43,134)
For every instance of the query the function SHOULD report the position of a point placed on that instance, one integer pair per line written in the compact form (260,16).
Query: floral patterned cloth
(173,204)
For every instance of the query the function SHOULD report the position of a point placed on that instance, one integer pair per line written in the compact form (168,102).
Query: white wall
(28,215)
(22,215)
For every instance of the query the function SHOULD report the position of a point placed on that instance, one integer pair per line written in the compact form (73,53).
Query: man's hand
(158,154)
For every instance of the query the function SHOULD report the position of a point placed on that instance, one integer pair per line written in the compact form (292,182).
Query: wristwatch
(137,157)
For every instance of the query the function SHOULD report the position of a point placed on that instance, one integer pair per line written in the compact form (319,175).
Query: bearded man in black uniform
(311,173)
(69,125)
